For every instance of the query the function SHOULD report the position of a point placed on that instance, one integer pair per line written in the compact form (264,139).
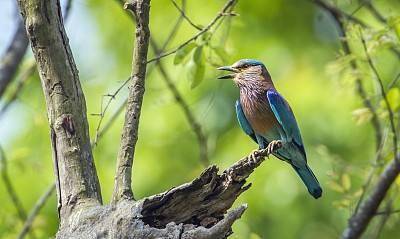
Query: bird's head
(246,71)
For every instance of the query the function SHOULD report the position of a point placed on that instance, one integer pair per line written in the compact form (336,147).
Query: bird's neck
(255,89)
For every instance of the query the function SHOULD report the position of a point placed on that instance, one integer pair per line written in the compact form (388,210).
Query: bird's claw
(253,156)
(273,145)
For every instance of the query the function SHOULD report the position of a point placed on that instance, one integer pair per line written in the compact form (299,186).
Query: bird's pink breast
(258,113)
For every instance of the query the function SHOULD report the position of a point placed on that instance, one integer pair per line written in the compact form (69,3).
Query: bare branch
(340,18)
(222,13)
(197,209)
(123,177)
(174,30)
(30,69)
(177,95)
(394,81)
(183,14)
(368,208)
(77,182)
(377,164)
(10,188)
(209,196)
(387,212)
(339,14)
(201,138)
(35,211)
(368,4)
(385,217)
(383,94)
(13,56)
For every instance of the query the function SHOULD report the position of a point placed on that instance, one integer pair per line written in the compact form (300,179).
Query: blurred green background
(299,45)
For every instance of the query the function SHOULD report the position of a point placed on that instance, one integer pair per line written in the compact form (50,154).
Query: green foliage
(196,67)
(311,72)
(183,52)
(393,96)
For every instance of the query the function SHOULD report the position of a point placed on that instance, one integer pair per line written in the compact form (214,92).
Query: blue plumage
(265,116)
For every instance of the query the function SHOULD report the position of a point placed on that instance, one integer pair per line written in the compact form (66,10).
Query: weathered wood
(77,182)
(198,209)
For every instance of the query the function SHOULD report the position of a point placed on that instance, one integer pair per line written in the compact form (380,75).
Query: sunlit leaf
(394,22)
(362,115)
(344,203)
(358,193)
(205,37)
(220,52)
(181,54)
(336,187)
(393,97)
(346,182)
(196,68)
(254,236)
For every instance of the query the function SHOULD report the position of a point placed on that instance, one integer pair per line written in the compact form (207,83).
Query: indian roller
(266,117)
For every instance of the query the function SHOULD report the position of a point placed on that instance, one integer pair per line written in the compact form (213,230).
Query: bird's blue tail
(309,180)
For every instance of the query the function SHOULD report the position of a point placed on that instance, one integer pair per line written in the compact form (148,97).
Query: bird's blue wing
(285,117)
(244,124)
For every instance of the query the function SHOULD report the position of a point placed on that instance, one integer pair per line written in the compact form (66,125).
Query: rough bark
(76,179)
(197,209)
(123,176)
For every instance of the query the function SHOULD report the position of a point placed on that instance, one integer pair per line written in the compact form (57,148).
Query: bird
(266,117)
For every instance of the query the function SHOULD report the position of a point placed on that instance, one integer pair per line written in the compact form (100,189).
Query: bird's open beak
(227,68)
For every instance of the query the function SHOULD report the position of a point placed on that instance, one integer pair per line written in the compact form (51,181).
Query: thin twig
(13,56)
(340,18)
(387,212)
(383,94)
(360,220)
(183,14)
(10,188)
(31,68)
(35,211)
(201,138)
(222,13)
(377,164)
(394,81)
(374,11)
(339,14)
(387,215)
(175,28)
(103,111)
(196,127)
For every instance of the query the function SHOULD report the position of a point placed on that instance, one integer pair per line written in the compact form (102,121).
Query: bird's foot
(273,145)
(253,156)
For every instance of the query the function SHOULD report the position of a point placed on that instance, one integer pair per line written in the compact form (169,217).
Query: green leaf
(346,182)
(196,68)
(394,22)
(181,54)
(254,236)
(344,203)
(336,187)
(220,52)
(393,97)
(362,115)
